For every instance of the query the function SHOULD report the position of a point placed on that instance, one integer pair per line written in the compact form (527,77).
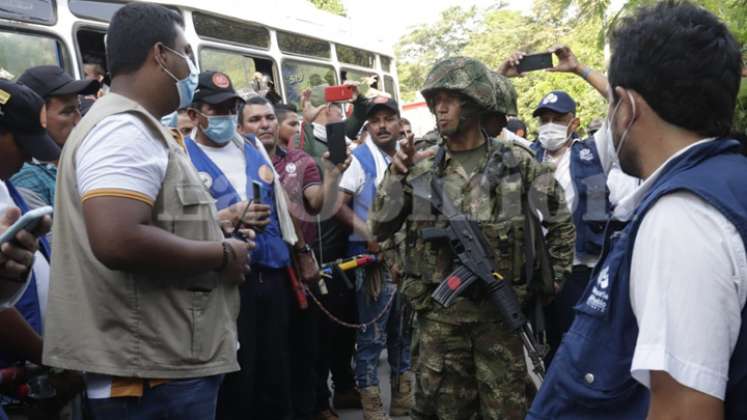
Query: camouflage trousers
(469,371)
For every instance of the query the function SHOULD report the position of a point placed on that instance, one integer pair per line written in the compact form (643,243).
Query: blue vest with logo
(271,250)
(590,375)
(362,202)
(592,207)
(28,305)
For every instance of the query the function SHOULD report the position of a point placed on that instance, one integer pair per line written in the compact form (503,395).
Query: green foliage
(332,6)
(493,35)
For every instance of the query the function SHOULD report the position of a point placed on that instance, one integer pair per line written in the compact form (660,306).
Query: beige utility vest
(130,324)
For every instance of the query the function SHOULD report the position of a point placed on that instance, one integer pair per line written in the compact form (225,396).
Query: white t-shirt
(688,285)
(231,161)
(354,177)
(40,267)
(120,157)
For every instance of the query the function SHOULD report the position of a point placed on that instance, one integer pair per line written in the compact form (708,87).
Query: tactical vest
(271,251)
(590,374)
(592,208)
(132,324)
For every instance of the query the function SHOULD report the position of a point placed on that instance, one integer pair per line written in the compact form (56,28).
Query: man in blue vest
(375,290)
(229,164)
(22,136)
(659,332)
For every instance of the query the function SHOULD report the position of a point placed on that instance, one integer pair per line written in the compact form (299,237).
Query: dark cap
(49,81)
(21,113)
(214,88)
(381,102)
(557,101)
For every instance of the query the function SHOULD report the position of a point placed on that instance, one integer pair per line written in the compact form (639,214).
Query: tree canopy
(332,6)
(492,35)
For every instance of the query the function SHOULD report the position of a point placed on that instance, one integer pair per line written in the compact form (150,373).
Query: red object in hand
(339,93)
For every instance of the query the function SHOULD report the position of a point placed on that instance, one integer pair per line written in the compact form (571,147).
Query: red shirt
(298,171)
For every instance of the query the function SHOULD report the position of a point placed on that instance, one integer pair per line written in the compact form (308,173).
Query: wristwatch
(305,249)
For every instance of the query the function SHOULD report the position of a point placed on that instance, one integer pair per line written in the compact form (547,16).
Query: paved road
(385,393)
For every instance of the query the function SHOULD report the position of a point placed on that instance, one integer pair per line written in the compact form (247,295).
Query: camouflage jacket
(496,196)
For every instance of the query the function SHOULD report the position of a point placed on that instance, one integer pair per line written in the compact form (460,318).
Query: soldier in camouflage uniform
(469,365)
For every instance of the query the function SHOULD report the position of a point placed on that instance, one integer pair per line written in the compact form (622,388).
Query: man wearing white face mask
(660,333)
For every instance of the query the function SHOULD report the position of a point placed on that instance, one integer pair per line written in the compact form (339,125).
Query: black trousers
(261,390)
(559,313)
(304,352)
(336,343)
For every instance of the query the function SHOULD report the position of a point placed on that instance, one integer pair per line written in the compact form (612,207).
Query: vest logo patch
(599,297)
(206,179)
(265,173)
(586,155)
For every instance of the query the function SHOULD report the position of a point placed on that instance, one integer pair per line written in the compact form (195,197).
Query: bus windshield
(299,76)
(19,51)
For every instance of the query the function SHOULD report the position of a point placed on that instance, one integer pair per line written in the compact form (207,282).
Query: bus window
(91,47)
(37,11)
(350,55)
(244,33)
(19,51)
(303,45)
(94,10)
(386,63)
(249,75)
(389,86)
(364,78)
(299,76)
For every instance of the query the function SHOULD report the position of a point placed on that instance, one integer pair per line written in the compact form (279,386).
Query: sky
(402,15)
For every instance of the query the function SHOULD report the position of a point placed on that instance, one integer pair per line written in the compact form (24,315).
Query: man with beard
(374,288)
(468,360)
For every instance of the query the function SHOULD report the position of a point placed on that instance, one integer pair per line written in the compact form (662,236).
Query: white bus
(290,42)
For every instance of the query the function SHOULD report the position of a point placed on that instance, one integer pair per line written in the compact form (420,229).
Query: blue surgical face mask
(221,128)
(170,120)
(187,86)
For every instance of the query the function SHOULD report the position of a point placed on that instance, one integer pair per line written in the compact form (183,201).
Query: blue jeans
(385,333)
(186,399)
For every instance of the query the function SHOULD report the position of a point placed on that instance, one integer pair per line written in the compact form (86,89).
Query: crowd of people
(209,258)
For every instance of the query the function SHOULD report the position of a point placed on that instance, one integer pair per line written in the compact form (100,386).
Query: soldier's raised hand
(405,156)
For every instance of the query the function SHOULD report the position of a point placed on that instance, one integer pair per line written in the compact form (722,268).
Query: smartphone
(28,221)
(535,62)
(256,192)
(336,142)
(339,93)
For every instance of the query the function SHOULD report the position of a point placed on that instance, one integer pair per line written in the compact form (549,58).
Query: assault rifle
(474,262)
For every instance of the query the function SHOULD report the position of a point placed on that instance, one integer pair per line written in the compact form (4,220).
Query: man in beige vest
(145,291)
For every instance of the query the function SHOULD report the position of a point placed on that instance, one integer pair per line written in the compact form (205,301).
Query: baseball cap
(214,88)
(378,102)
(22,112)
(557,101)
(49,81)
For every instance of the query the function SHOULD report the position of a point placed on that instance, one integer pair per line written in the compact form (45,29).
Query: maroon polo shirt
(298,171)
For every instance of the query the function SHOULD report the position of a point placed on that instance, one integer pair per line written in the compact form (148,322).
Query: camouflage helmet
(505,95)
(465,75)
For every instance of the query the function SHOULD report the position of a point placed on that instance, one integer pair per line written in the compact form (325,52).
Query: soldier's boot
(347,399)
(373,408)
(403,399)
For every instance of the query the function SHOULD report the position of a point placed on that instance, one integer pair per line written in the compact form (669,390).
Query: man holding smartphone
(229,165)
